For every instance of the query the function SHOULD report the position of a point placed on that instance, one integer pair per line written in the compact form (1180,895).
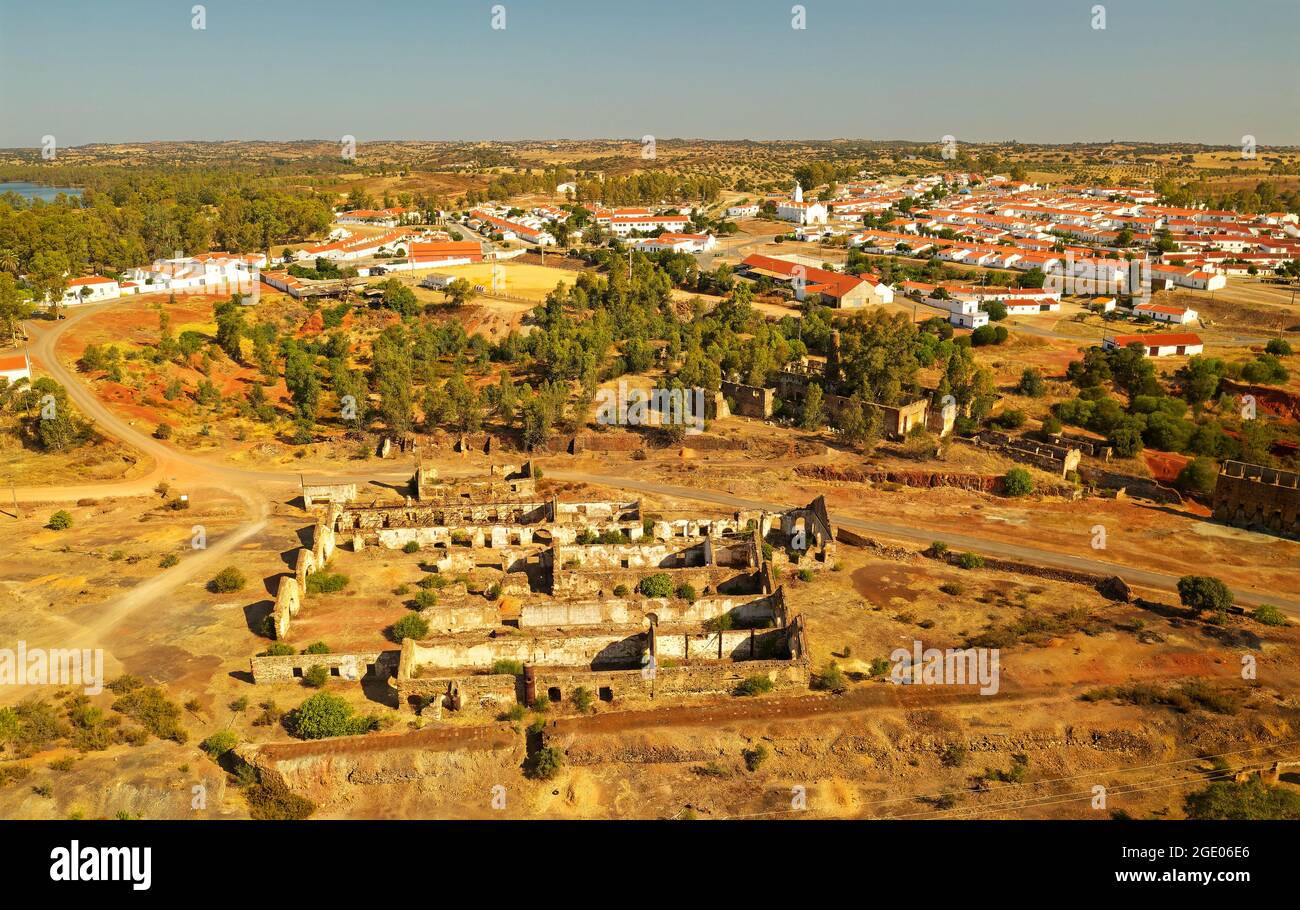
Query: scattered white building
(91,289)
(1163,312)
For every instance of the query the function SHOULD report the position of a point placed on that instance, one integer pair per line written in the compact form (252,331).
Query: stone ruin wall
(1256,497)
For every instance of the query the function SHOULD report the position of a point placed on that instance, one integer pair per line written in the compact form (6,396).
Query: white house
(1159,344)
(622,225)
(15,367)
(680,243)
(743,211)
(91,290)
(1163,312)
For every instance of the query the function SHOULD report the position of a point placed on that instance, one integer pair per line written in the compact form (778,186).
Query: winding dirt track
(190,472)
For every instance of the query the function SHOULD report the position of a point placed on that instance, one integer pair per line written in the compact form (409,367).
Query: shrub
(582,699)
(1243,801)
(59,521)
(323,582)
(1270,616)
(402,590)
(805,575)
(951,588)
(938,548)
(1204,593)
(620,591)
(1018,482)
(150,707)
(1198,476)
(954,756)
(219,743)
(425,599)
(163,431)
(686,592)
(508,667)
(1278,347)
(227,581)
(754,757)
(1031,384)
(412,625)
(544,764)
(494,591)
(754,685)
(277,649)
(316,677)
(168,561)
(970,561)
(324,715)
(658,585)
(831,678)
(720,623)
(411,546)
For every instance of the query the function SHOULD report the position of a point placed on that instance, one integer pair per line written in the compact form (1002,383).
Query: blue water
(36,191)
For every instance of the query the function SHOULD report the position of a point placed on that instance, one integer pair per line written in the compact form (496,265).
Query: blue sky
(1033,70)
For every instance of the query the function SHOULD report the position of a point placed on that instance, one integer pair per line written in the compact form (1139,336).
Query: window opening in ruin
(606,693)
(553,693)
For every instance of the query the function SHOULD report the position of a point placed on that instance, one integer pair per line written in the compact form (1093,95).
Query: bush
(544,764)
(325,583)
(1018,482)
(411,546)
(1198,476)
(754,757)
(1031,384)
(1278,347)
(317,647)
(316,677)
(970,561)
(831,678)
(805,575)
(227,581)
(219,743)
(954,756)
(1243,801)
(1270,616)
(425,599)
(951,588)
(620,591)
(658,585)
(582,699)
(151,708)
(508,668)
(412,625)
(938,548)
(277,649)
(168,561)
(1204,593)
(324,715)
(59,521)
(163,431)
(686,592)
(754,685)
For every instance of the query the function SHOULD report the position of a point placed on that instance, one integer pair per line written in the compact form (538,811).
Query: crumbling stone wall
(748,611)
(1256,497)
(287,603)
(329,493)
(749,400)
(351,667)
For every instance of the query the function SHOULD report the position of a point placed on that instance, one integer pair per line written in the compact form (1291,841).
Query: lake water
(36,191)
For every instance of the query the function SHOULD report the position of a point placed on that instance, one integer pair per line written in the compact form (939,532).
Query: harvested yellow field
(532,282)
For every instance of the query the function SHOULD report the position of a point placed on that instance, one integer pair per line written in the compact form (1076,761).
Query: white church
(800,212)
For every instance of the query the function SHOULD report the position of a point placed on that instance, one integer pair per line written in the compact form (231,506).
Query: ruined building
(1259,498)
